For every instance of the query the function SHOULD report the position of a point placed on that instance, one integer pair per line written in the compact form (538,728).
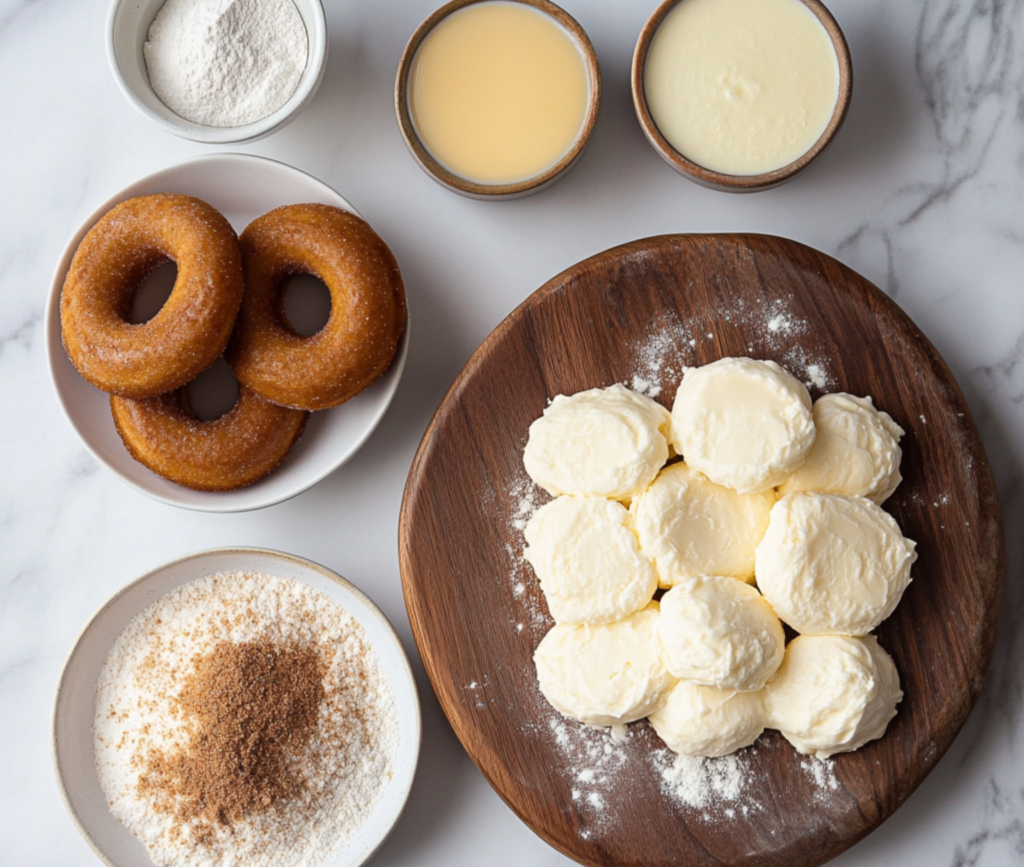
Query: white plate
(73,710)
(241,187)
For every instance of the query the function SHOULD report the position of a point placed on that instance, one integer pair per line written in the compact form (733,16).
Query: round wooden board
(638,314)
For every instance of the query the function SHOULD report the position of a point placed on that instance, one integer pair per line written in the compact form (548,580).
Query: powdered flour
(226,62)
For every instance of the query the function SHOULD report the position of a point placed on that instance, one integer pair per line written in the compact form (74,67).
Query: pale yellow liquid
(741,86)
(498,92)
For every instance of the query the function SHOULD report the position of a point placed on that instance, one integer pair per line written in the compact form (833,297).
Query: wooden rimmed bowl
(516,189)
(721,180)
(639,314)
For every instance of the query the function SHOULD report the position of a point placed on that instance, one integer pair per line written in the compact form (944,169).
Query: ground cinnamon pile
(252,708)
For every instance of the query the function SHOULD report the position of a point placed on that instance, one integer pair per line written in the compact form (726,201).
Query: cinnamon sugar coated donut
(367,307)
(235,450)
(192,328)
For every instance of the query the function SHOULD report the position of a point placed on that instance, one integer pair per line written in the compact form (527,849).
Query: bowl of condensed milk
(741,95)
(497,98)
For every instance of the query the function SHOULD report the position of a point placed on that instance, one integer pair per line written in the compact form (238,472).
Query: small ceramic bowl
(517,189)
(720,180)
(128,23)
(72,745)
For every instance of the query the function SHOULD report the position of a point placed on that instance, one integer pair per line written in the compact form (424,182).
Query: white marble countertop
(921,193)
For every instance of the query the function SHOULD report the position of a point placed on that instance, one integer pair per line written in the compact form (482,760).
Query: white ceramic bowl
(73,710)
(128,23)
(241,187)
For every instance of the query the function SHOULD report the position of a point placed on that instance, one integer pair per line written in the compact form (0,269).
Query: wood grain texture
(650,308)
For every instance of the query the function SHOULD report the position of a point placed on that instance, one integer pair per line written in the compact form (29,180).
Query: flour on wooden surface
(707,784)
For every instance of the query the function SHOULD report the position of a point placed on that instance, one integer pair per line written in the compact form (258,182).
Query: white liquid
(741,86)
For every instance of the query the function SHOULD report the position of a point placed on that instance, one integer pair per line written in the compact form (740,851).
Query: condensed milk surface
(498,92)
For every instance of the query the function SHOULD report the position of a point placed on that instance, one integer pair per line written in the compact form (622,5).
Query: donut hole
(213,393)
(305,304)
(152,293)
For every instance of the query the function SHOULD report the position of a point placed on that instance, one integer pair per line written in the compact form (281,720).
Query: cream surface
(605,442)
(745,424)
(604,675)
(832,565)
(833,693)
(700,720)
(690,526)
(588,562)
(856,451)
(741,86)
(720,632)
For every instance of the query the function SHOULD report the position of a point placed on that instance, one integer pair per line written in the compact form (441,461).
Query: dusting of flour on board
(522,499)
(660,359)
(592,760)
(823,774)
(716,787)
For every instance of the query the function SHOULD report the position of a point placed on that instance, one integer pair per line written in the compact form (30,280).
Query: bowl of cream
(218,71)
(497,98)
(741,95)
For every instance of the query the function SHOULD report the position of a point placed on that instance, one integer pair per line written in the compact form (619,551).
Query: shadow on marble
(878,127)
(442,782)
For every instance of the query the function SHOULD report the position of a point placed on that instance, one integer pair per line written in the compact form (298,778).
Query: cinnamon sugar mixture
(254,707)
(242,719)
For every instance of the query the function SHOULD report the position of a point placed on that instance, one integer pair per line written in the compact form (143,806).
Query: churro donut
(367,307)
(235,450)
(193,327)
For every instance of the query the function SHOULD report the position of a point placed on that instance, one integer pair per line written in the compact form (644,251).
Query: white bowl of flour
(218,71)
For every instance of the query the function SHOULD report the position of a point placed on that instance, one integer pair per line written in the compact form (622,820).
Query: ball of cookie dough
(833,693)
(832,565)
(720,632)
(704,721)
(690,526)
(856,451)
(605,442)
(604,675)
(745,424)
(588,563)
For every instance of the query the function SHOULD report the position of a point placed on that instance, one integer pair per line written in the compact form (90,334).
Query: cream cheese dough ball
(856,451)
(832,565)
(745,424)
(833,693)
(720,632)
(704,721)
(691,526)
(588,563)
(604,675)
(605,442)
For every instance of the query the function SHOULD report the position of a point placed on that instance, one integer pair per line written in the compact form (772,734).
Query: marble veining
(922,193)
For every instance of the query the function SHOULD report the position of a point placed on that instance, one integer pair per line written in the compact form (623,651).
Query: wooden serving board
(638,314)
